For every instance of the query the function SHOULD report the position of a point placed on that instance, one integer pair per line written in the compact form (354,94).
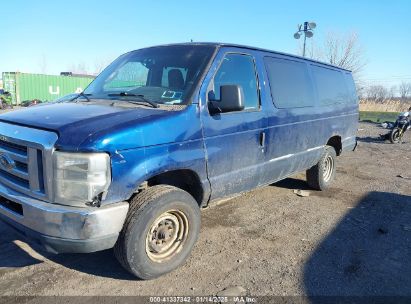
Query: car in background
(35,102)
(30,103)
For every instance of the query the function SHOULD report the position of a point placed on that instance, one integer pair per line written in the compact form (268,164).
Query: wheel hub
(166,235)
(328,168)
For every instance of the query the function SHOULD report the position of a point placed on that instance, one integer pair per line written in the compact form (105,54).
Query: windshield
(165,75)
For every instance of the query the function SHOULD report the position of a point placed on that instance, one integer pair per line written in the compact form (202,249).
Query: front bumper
(62,229)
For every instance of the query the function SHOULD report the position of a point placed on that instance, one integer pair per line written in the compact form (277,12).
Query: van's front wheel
(322,174)
(160,230)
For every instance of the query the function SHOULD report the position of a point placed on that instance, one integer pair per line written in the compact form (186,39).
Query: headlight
(80,177)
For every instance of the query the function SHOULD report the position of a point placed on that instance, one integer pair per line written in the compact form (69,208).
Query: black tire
(395,135)
(146,209)
(321,176)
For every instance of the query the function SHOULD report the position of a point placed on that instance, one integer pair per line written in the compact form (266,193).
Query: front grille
(13,147)
(23,166)
(26,160)
(16,180)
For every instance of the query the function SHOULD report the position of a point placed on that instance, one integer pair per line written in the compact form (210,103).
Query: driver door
(234,141)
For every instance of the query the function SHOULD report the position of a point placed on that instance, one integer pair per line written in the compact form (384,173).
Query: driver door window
(239,70)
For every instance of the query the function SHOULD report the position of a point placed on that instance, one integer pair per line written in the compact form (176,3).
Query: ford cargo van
(162,132)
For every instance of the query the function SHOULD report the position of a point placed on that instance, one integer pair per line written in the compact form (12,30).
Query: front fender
(130,168)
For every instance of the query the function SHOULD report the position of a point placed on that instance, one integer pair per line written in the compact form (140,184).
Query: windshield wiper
(82,94)
(140,97)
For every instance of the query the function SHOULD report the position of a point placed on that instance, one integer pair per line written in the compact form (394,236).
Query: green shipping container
(23,86)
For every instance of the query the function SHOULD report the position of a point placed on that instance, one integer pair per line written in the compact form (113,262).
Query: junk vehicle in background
(402,124)
(159,134)
(24,86)
(30,103)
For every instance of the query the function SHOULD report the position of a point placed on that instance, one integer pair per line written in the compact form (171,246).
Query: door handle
(262,139)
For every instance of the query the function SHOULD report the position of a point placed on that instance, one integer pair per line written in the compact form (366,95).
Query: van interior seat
(175,79)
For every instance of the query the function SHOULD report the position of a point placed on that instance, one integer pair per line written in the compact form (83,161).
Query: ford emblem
(6,162)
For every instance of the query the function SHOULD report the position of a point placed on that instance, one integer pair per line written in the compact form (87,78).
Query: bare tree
(341,50)
(377,93)
(100,65)
(405,90)
(392,92)
(83,68)
(361,91)
(79,68)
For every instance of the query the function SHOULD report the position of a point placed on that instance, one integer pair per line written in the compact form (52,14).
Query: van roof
(221,44)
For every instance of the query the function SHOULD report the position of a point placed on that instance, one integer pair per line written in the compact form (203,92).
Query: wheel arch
(184,179)
(335,142)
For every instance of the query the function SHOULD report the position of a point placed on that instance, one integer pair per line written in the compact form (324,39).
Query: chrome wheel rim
(166,236)
(328,168)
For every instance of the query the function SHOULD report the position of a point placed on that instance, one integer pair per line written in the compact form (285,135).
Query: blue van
(162,132)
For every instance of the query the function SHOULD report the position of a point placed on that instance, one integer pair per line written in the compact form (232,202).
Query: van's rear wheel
(322,174)
(160,230)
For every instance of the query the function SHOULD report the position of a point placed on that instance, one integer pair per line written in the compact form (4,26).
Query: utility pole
(307,29)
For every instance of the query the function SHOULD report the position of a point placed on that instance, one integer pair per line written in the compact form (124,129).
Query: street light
(307,30)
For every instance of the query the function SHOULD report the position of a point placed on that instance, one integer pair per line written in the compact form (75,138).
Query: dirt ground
(354,239)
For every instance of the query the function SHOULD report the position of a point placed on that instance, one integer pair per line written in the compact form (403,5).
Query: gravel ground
(353,239)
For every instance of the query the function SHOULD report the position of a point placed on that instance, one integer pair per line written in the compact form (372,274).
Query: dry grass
(386,106)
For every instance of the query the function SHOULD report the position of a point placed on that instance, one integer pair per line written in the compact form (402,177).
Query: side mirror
(231,100)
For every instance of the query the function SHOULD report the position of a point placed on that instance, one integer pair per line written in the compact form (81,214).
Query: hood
(75,122)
